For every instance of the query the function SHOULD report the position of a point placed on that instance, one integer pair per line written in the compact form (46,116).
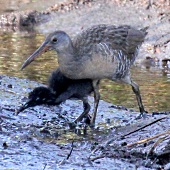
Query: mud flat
(40,137)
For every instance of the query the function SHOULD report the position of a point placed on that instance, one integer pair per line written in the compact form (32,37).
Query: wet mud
(40,137)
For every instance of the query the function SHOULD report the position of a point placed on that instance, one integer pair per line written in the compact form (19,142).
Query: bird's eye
(37,99)
(54,40)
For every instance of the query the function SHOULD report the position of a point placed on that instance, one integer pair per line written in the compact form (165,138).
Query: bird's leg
(135,89)
(86,109)
(96,100)
(64,96)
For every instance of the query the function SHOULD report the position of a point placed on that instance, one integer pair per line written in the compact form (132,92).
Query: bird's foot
(142,115)
(72,125)
(92,125)
(86,120)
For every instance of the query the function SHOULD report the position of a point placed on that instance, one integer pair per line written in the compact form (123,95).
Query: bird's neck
(67,62)
(66,55)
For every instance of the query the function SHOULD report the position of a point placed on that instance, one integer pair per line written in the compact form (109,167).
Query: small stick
(68,156)
(148,139)
(157,120)
(7,117)
(9,109)
(9,91)
(156,144)
(45,166)
(97,157)
(111,140)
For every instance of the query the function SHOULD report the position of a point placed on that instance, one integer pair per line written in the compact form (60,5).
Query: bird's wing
(109,38)
(99,39)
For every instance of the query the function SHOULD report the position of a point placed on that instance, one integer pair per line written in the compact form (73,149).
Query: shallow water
(154,81)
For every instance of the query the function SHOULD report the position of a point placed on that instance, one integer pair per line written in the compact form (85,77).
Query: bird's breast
(95,67)
(99,63)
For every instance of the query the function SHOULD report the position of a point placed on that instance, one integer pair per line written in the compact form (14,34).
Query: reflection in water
(154,83)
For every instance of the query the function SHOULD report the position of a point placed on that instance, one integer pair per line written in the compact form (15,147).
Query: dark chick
(61,88)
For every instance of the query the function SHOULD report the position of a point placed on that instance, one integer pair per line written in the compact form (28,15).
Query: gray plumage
(102,51)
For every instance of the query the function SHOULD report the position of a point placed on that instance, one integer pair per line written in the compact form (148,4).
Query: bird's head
(39,96)
(58,41)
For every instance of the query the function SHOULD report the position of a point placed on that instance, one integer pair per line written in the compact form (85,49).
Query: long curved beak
(43,48)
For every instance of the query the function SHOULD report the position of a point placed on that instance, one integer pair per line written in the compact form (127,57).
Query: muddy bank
(40,137)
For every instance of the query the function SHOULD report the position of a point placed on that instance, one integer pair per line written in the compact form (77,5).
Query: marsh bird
(102,51)
(59,89)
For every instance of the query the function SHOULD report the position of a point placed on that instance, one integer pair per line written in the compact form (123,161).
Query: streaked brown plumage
(102,51)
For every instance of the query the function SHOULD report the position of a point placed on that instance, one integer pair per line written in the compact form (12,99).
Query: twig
(148,139)
(157,120)
(45,166)
(156,144)
(9,109)
(68,156)
(97,157)
(111,140)
(7,117)
(9,91)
